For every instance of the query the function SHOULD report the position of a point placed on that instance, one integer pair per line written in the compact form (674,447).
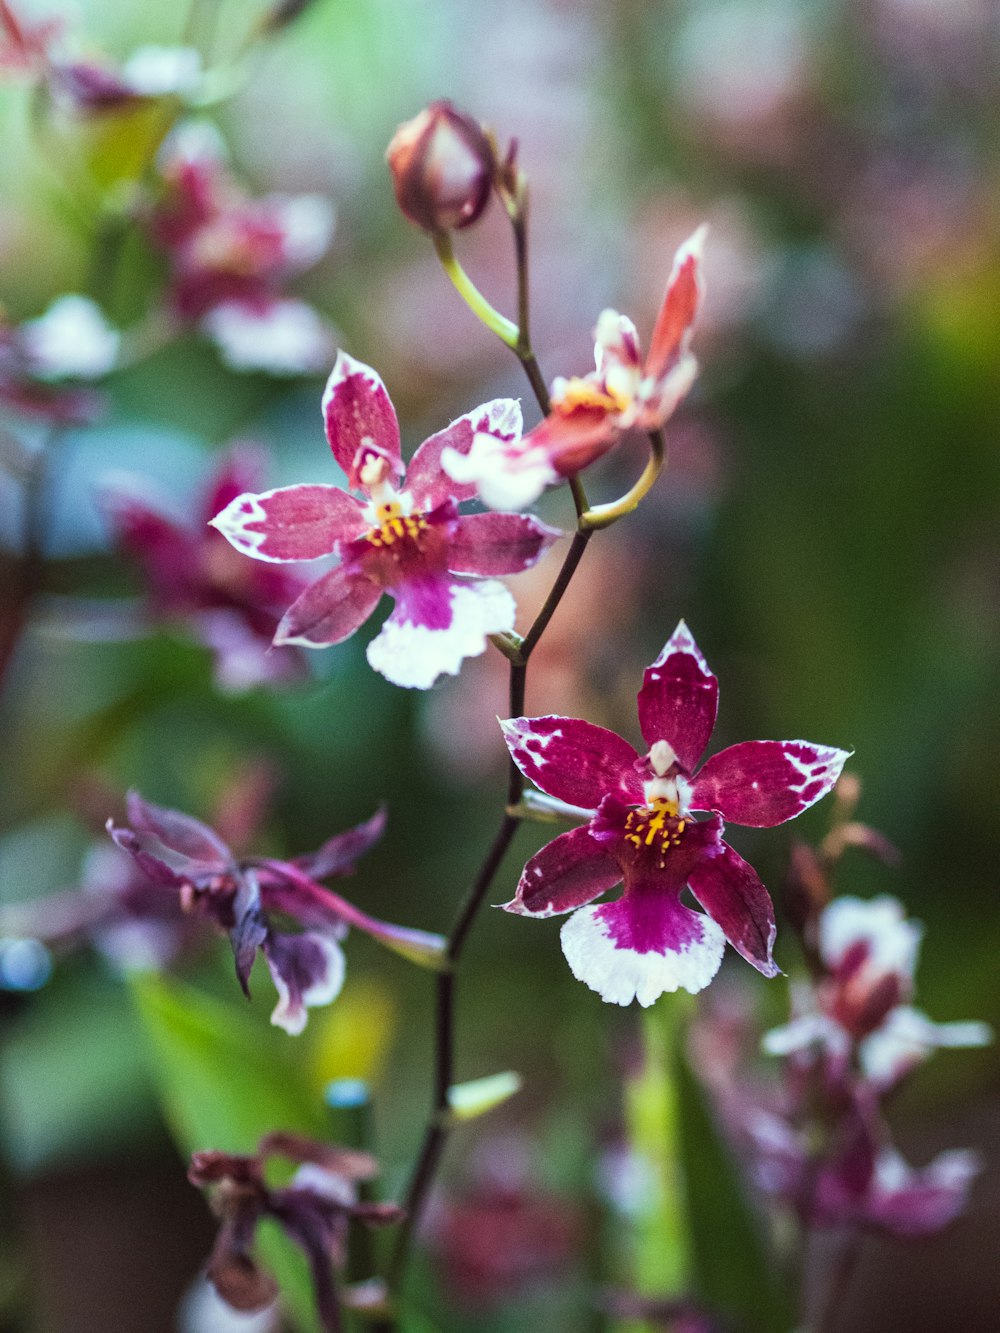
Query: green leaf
(733,1271)
(475,1098)
(225,1080)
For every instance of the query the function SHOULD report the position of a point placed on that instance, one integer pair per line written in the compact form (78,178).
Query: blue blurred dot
(25,965)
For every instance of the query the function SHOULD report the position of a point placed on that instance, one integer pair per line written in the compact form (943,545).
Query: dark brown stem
(436,1132)
(29,568)
(842,1271)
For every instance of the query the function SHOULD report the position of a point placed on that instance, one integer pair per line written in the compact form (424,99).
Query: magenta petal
(679,699)
(572,760)
(307,969)
(330,610)
(161,547)
(498,543)
(359,417)
(679,310)
(292,522)
(733,896)
(569,871)
(429,485)
(338,854)
(241,468)
(763,783)
(186,836)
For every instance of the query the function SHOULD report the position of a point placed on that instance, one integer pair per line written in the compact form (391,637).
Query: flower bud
(442,165)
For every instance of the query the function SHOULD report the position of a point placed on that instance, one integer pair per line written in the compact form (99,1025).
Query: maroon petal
(180,833)
(307,969)
(429,485)
(572,760)
(240,469)
(498,543)
(249,929)
(338,854)
(571,870)
(909,1201)
(672,331)
(679,699)
(733,896)
(286,889)
(763,783)
(292,522)
(329,611)
(359,417)
(161,547)
(572,438)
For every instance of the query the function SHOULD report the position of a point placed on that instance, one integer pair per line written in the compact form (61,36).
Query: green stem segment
(602,516)
(499,324)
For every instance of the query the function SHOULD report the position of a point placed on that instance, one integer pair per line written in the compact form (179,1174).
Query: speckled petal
(330,610)
(733,896)
(568,872)
(572,760)
(763,783)
(359,417)
(291,522)
(498,422)
(679,699)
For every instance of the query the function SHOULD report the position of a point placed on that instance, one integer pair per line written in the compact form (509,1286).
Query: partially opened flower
(193,578)
(870,951)
(41,358)
(265,903)
(857,1177)
(231,256)
(590,413)
(314,1210)
(640,828)
(412,543)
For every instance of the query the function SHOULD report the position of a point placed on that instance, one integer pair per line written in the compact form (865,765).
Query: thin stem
(602,516)
(444,1050)
(31,563)
(505,330)
(844,1267)
(436,1132)
(569,566)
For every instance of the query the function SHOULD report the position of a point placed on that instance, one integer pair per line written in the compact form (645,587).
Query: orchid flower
(411,542)
(640,828)
(870,950)
(248,898)
(231,255)
(194,578)
(590,413)
(314,1210)
(859,1178)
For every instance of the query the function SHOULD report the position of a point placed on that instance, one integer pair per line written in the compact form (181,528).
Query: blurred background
(827,526)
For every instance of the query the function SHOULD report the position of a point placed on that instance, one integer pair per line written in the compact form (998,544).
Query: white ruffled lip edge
(622,975)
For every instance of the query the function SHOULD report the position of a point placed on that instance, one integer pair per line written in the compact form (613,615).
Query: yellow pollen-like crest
(393,526)
(579,392)
(655,825)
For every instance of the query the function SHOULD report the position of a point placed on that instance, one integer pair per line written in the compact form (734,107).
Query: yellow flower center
(655,825)
(393,526)
(577,392)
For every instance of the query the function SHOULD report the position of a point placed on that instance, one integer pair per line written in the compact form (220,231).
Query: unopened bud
(442,163)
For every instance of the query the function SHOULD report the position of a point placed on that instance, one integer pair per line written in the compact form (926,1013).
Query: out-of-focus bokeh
(828,527)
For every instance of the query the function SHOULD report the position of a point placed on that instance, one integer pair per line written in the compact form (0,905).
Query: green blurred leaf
(662,1262)
(225,1081)
(733,1273)
(470,1100)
